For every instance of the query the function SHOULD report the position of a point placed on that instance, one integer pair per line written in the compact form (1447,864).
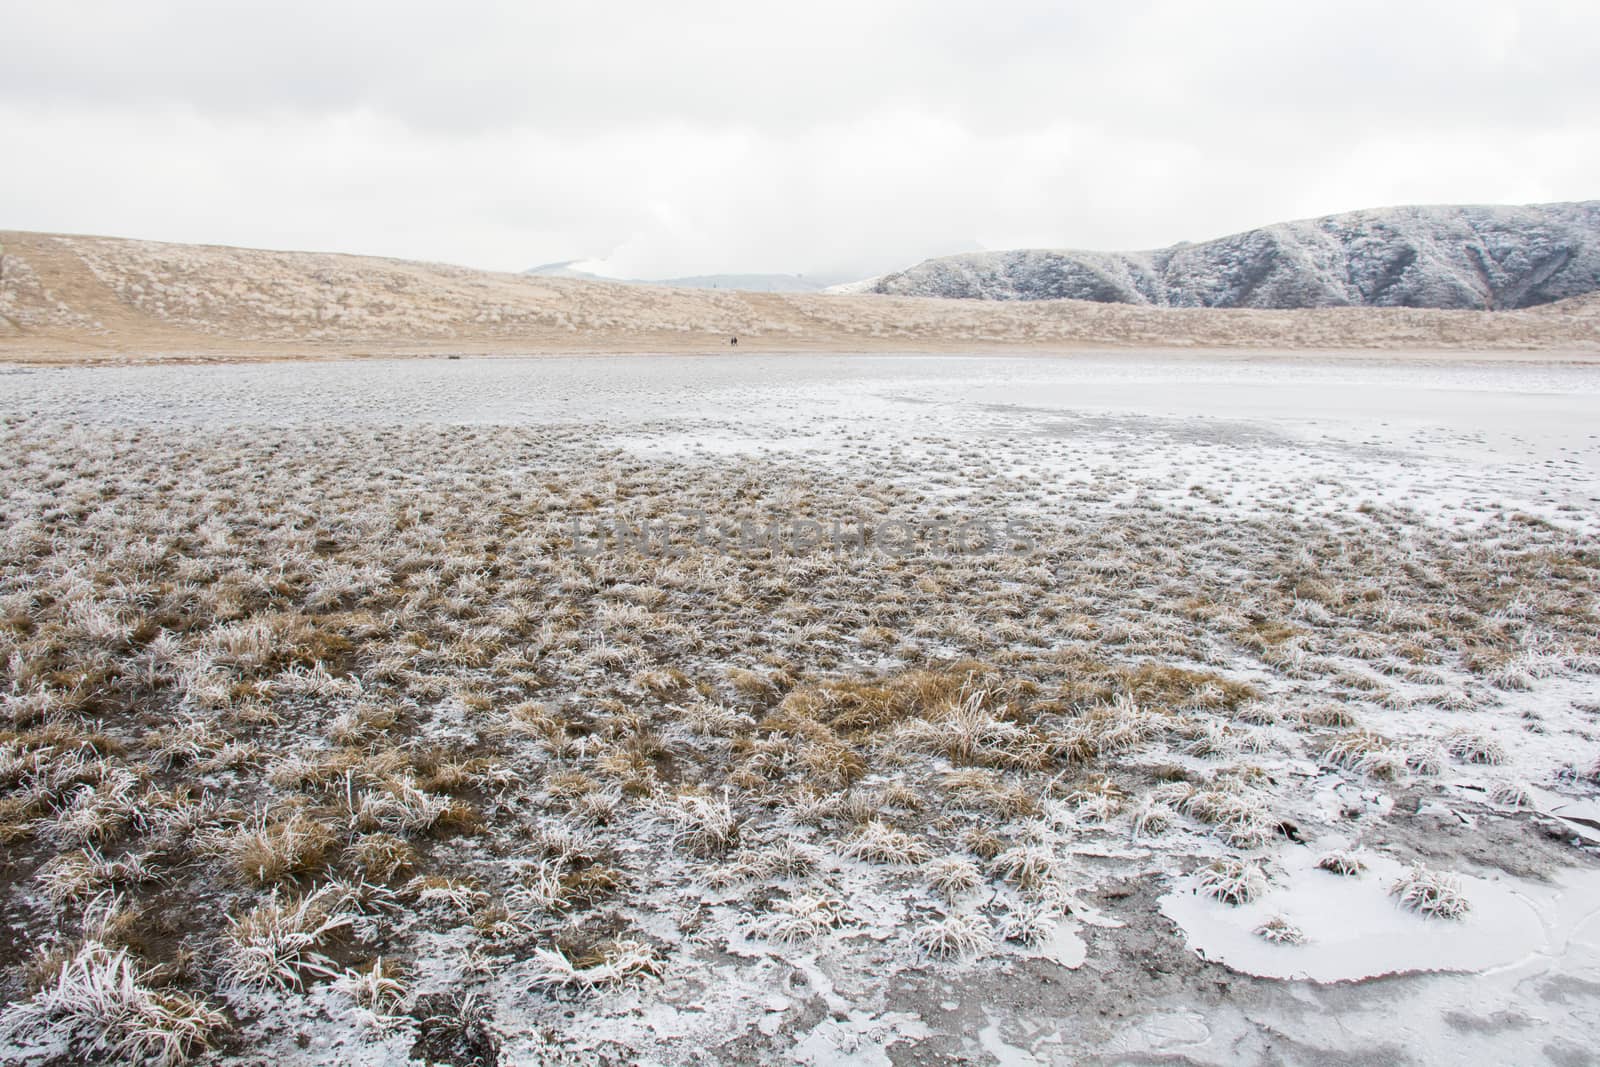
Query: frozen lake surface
(1551,399)
(1493,435)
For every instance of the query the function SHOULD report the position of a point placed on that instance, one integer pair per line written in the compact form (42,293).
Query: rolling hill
(67,298)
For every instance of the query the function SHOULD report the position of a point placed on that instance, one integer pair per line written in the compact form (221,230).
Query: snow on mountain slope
(1487,258)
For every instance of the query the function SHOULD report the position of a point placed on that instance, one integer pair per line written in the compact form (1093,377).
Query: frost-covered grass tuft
(278,945)
(1029,866)
(77,877)
(1454,700)
(1342,862)
(398,806)
(1241,819)
(1259,713)
(712,720)
(1152,819)
(1232,880)
(1212,741)
(266,851)
(1470,747)
(604,966)
(878,842)
(1511,795)
(460,894)
(101,1005)
(377,989)
(954,936)
(538,889)
(802,917)
(785,858)
(94,814)
(1431,893)
(1330,715)
(1428,761)
(1366,754)
(382,856)
(1280,931)
(1028,924)
(1098,804)
(951,876)
(970,731)
(705,826)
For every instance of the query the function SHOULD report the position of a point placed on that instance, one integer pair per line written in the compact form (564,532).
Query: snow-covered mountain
(1434,257)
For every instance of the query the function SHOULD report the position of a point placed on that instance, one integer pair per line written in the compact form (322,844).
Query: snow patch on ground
(1355,928)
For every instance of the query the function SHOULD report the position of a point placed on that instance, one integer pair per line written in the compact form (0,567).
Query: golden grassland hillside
(74,299)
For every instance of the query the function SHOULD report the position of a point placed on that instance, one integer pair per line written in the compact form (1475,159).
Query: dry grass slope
(71,299)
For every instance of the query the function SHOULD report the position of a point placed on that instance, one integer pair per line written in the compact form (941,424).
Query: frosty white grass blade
(877,842)
(1432,893)
(1152,819)
(705,826)
(399,807)
(99,1005)
(1028,924)
(1427,761)
(953,936)
(81,875)
(1366,754)
(802,917)
(1477,748)
(1232,880)
(1280,931)
(377,989)
(968,732)
(1344,863)
(950,876)
(1027,866)
(1510,795)
(608,965)
(463,896)
(276,945)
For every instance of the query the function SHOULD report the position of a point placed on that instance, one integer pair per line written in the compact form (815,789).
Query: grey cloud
(831,136)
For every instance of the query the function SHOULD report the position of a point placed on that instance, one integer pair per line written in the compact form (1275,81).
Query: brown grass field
(71,299)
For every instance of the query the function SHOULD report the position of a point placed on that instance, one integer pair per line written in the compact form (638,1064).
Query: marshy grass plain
(812,708)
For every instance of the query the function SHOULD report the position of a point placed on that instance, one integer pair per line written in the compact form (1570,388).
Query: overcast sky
(676,136)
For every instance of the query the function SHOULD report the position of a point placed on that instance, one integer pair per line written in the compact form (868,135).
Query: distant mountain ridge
(749,283)
(1473,257)
(75,298)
